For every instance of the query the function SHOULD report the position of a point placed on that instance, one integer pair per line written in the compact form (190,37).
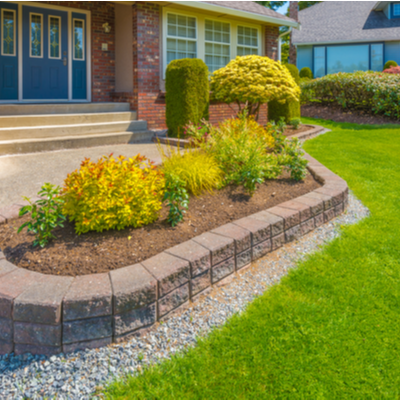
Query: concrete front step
(21,121)
(62,108)
(57,131)
(24,146)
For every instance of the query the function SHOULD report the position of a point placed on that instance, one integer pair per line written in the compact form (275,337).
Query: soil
(93,252)
(337,114)
(290,131)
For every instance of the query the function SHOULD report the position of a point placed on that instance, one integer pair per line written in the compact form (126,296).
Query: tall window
(181,37)
(79,39)
(376,57)
(247,41)
(36,35)
(396,10)
(54,37)
(8,32)
(319,61)
(217,44)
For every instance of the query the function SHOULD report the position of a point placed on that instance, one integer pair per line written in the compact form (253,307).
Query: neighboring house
(347,36)
(91,52)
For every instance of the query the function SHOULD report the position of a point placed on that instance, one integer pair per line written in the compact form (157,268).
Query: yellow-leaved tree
(251,81)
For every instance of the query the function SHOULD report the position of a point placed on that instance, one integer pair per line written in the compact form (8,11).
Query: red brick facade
(294,14)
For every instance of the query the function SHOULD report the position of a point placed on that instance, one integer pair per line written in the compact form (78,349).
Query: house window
(181,37)
(36,35)
(79,39)
(347,58)
(54,37)
(8,32)
(396,10)
(319,61)
(217,44)
(247,39)
(376,57)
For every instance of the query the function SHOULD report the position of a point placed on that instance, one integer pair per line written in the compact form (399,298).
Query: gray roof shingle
(344,21)
(251,7)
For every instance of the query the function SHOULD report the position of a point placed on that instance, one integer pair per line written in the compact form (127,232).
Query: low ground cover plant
(392,70)
(177,198)
(371,91)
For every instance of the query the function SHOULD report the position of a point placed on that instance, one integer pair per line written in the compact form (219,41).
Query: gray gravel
(79,375)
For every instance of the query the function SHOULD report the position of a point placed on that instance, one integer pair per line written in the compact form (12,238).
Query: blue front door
(45,54)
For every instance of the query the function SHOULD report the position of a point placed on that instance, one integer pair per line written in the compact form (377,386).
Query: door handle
(65,61)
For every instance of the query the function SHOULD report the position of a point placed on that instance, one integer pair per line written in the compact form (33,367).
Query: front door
(45,54)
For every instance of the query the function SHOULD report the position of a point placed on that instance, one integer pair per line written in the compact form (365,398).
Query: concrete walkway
(23,175)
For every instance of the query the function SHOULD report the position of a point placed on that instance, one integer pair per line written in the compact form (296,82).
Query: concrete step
(24,146)
(16,121)
(62,108)
(57,131)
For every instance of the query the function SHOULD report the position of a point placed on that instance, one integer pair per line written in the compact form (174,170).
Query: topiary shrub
(187,97)
(306,73)
(389,64)
(289,109)
(251,81)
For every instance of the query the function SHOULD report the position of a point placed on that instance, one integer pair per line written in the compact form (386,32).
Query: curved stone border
(46,314)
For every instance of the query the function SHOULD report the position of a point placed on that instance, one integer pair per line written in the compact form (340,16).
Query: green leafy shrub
(306,72)
(113,194)
(389,64)
(295,122)
(187,94)
(374,92)
(46,214)
(289,109)
(197,169)
(177,197)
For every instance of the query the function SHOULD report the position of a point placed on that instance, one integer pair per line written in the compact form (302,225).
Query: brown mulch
(337,114)
(290,131)
(93,252)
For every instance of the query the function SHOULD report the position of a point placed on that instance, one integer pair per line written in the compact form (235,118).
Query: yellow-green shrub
(113,194)
(250,81)
(199,170)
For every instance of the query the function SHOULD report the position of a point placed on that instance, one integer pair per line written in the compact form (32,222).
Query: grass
(331,328)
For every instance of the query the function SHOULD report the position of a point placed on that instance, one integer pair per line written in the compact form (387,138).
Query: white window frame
(179,37)
(41,35)
(221,43)
(83,41)
(2,32)
(60,37)
(244,45)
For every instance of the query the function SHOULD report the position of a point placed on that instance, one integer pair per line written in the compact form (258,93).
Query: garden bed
(72,255)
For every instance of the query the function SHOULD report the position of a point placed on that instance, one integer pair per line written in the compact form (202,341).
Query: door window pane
(36,35)
(217,46)
(347,58)
(54,37)
(319,62)
(376,57)
(247,41)
(8,32)
(79,39)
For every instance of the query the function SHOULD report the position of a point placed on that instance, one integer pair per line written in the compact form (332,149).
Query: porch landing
(30,128)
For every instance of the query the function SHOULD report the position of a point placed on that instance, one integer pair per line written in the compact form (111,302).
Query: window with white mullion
(247,40)
(217,44)
(181,37)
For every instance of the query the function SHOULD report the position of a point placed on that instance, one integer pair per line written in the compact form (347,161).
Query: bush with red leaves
(392,70)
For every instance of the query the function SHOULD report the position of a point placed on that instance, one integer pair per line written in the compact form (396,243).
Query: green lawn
(331,328)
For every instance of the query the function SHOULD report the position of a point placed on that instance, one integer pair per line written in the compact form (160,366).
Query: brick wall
(294,14)
(271,41)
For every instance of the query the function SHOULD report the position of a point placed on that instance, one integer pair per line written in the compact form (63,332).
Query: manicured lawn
(331,329)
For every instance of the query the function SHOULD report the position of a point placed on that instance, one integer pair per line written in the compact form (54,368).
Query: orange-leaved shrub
(113,194)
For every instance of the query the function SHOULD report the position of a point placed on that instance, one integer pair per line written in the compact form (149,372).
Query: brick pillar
(294,14)
(271,41)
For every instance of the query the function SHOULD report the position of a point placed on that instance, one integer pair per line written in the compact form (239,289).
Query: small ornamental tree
(251,81)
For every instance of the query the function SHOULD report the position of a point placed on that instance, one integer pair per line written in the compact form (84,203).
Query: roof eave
(341,41)
(239,13)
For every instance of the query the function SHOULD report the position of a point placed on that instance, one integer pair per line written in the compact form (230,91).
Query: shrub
(46,214)
(113,194)
(295,122)
(187,94)
(371,91)
(251,81)
(306,72)
(177,197)
(288,109)
(389,64)
(392,70)
(198,170)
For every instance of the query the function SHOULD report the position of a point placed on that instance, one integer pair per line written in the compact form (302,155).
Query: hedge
(187,94)
(372,91)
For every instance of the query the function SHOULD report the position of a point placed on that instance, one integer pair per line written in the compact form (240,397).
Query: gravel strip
(79,375)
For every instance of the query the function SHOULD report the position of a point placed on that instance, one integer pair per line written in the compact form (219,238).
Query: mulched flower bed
(290,131)
(93,252)
(337,114)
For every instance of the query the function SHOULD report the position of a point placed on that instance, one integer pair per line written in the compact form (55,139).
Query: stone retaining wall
(45,314)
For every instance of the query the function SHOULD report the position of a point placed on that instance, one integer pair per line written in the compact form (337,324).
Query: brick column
(271,41)
(294,14)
